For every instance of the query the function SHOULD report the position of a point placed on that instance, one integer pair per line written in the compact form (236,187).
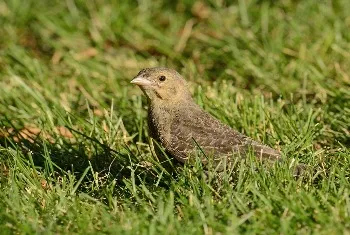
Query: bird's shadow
(69,157)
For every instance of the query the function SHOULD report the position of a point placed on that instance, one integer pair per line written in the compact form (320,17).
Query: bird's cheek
(173,91)
(157,93)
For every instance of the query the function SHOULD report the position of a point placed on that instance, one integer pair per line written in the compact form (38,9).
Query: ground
(74,146)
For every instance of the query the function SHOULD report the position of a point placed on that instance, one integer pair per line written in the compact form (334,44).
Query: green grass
(74,153)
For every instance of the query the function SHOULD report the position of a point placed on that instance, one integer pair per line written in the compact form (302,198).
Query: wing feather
(214,137)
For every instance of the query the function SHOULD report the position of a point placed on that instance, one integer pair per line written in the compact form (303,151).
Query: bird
(183,128)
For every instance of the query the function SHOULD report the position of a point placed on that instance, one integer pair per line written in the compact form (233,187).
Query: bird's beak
(141,81)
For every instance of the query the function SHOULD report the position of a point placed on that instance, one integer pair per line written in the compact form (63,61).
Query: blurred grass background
(74,155)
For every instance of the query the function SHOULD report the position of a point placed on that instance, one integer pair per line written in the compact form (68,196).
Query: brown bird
(177,123)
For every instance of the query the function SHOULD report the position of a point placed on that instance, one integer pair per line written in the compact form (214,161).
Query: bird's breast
(159,123)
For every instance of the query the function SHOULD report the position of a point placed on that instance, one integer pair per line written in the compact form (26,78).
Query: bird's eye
(162,78)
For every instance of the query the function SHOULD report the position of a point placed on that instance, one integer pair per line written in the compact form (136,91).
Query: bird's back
(188,128)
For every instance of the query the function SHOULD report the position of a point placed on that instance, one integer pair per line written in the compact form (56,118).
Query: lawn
(74,144)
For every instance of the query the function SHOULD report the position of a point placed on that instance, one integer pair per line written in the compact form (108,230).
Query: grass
(74,153)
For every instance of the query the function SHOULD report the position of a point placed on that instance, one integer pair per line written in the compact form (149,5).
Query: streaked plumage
(179,124)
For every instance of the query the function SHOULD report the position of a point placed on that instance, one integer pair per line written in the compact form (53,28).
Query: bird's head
(162,85)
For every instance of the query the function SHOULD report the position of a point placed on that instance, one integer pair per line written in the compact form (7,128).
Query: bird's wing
(192,126)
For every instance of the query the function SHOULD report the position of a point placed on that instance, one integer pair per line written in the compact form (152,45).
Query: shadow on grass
(75,158)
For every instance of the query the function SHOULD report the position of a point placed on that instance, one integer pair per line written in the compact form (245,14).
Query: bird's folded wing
(196,127)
